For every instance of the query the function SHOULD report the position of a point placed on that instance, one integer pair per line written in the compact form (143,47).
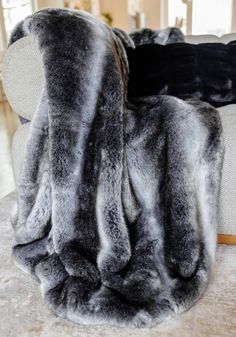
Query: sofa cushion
(23,76)
(18,149)
(206,71)
(206,38)
(227,38)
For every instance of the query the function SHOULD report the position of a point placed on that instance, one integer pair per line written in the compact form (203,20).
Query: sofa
(23,81)
(25,315)
(227,211)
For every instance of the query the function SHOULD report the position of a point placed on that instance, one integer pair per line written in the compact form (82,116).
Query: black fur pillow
(205,71)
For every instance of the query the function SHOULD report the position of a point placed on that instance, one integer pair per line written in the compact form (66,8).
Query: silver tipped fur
(117,204)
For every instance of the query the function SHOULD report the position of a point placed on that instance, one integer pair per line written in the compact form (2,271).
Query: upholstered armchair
(23,82)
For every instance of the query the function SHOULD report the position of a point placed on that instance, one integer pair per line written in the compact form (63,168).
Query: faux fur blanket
(205,71)
(163,37)
(117,203)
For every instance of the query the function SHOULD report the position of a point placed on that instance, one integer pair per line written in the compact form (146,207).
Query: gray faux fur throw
(163,37)
(117,203)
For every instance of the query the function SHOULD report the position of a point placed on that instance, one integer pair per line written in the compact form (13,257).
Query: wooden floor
(8,124)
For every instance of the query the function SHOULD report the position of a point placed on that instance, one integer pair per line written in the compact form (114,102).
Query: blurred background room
(193,17)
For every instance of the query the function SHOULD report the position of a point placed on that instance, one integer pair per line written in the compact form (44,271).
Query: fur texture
(117,204)
(204,71)
(163,37)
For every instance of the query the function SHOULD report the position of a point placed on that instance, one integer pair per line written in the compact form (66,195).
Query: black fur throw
(117,202)
(206,71)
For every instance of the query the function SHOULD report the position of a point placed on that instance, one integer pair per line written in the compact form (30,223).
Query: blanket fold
(117,202)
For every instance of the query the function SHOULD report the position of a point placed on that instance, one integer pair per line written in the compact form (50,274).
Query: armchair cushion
(210,38)
(23,76)
(227,209)
(18,149)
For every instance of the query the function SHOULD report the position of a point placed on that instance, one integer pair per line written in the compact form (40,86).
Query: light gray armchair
(23,82)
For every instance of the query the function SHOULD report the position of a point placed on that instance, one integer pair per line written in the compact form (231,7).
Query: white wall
(50,3)
(152,9)
(118,10)
(3,35)
(234,16)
